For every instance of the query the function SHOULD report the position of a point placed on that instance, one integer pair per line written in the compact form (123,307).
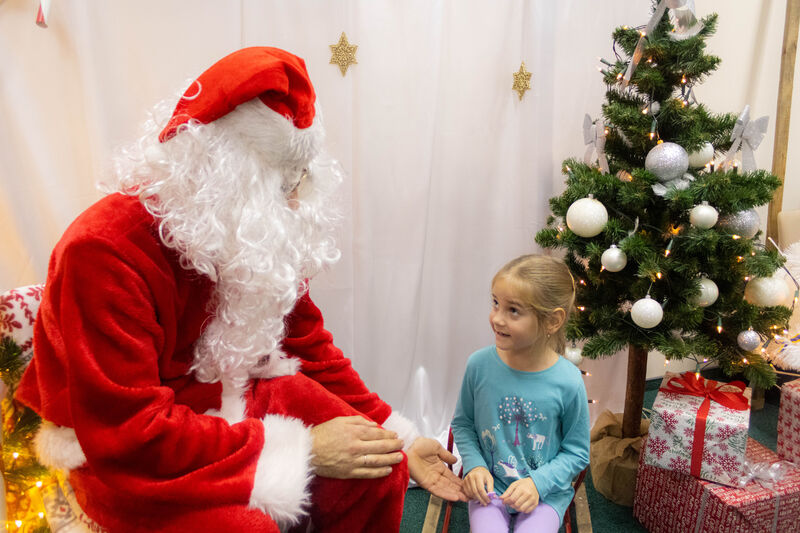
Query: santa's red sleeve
(105,334)
(322,361)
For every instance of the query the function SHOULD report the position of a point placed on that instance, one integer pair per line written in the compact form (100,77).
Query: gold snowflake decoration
(522,81)
(343,54)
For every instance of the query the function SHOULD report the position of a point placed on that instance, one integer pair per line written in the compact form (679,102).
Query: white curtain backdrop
(448,172)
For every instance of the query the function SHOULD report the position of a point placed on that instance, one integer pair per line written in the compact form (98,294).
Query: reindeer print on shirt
(516,412)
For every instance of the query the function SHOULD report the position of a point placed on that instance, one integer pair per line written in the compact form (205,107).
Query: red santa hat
(276,77)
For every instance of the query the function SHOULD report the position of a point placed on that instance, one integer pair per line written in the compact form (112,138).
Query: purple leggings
(495,517)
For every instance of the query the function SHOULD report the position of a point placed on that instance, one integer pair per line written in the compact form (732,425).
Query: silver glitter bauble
(748,340)
(703,216)
(587,217)
(573,355)
(702,156)
(744,223)
(614,259)
(647,313)
(668,161)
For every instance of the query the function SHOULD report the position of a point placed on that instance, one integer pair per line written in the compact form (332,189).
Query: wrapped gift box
(670,502)
(789,422)
(699,427)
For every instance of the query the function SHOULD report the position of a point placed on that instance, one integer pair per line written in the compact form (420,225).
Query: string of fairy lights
(655,276)
(617,75)
(24,477)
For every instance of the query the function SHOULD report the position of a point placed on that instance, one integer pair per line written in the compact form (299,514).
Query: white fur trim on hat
(58,447)
(404,428)
(274,138)
(283,472)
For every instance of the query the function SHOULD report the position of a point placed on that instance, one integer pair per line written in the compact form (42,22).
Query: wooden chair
(568,525)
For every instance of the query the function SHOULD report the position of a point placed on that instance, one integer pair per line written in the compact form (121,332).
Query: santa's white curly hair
(246,201)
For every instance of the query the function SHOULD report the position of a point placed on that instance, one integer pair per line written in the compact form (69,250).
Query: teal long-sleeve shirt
(518,424)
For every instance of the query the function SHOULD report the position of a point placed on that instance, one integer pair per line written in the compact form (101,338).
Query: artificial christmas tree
(681,287)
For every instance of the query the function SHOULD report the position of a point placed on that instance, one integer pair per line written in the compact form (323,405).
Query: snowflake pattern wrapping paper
(677,422)
(18,308)
(671,502)
(789,422)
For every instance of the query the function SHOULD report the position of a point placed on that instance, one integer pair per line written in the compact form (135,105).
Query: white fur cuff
(58,447)
(404,428)
(283,473)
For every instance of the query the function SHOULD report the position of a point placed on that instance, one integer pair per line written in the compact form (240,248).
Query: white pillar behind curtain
(448,172)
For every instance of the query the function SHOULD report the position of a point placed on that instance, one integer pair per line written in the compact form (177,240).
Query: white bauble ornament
(709,292)
(587,217)
(768,292)
(647,313)
(655,107)
(614,259)
(702,156)
(573,355)
(748,340)
(703,216)
(668,161)
(744,223)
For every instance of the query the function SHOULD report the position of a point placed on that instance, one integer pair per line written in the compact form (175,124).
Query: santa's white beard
(218,192)
(266,253)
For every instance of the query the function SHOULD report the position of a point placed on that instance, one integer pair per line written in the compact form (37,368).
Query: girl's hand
(521,495)
(478,483)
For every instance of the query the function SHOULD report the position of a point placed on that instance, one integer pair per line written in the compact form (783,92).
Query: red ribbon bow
(690,384)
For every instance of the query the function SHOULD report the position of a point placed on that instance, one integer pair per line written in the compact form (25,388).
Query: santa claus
(182,371)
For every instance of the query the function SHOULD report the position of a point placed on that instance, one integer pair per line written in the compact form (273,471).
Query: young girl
(522,419)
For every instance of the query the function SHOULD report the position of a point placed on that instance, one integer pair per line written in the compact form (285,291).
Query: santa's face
(293,196)
(237,200)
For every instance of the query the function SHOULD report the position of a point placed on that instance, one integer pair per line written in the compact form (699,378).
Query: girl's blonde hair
(544,284)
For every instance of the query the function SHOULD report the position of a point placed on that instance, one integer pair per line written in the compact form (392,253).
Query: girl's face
(515,325)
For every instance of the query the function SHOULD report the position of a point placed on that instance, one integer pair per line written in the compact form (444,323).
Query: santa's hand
(350,447)
(425,466)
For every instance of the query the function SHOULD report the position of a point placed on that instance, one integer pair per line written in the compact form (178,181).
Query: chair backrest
(18,308)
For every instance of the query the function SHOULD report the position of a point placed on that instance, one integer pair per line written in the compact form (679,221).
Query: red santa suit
(148,447)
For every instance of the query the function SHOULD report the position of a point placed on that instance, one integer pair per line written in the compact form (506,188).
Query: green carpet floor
(607,517)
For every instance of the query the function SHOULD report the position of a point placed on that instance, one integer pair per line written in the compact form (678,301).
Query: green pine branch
(667,256)
(12,364)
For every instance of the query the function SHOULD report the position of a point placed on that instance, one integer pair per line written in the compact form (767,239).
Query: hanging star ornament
(522,81)
(343,54)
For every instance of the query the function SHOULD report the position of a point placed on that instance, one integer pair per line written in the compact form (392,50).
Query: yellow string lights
(23,475)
